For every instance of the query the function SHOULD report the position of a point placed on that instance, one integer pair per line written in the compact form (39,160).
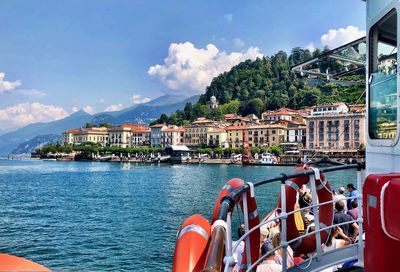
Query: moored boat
(267,158)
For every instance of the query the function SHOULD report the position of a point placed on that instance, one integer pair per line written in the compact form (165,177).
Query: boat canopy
(333,65)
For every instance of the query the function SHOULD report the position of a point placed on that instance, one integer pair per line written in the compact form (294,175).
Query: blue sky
(60,56)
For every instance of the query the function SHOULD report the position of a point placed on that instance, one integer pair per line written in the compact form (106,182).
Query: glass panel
(383,79)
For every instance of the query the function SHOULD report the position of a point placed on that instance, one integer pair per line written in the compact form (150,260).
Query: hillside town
(330,129)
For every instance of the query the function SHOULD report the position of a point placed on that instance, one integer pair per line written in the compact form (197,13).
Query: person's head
(333,234)
(341,190)
(350,187)
(264,232)
(276,240)
(240,231)
(354,204)
(339,206)
(268,247)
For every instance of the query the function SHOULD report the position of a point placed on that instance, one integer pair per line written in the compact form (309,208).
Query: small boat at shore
(267,158)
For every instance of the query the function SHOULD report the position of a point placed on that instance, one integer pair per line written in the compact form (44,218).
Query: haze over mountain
(143,113)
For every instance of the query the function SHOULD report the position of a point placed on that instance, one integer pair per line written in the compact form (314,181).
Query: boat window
(383,79)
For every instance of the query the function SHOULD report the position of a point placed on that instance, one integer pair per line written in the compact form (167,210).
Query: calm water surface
(111,216)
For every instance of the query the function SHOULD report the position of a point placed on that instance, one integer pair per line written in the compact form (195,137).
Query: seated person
(276,241)
(341,217)
(268,264)
(354,211)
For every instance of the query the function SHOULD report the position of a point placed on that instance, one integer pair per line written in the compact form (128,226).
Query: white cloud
(115,107)
(238,43)
(137,99)
(32,93)
(74,109)
(188,69)
(89,109)
(23,114)
(310,47)
(341,36)
(228,17)
(102,101)
(6,86)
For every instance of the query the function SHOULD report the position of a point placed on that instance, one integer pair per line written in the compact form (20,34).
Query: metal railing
(221,236)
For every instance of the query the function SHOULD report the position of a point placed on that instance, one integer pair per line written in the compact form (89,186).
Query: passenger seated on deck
(341,217)
(340,197)
(352,193)
(276,241)
(354,211)
(268,264)
(333,243)
(305,200)
(238,254)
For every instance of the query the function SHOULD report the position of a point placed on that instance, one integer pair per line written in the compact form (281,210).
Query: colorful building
(336,126)
(129,135)
(77,136)
(172,135)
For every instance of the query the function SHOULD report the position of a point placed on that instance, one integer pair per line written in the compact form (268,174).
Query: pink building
(336,127)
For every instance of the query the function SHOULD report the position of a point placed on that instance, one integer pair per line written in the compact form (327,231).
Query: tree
(254,106)
(163,119)
(231,107)
(216,114)
(218,151)
(275,149)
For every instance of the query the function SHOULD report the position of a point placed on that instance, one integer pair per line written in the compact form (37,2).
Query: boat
(207,245)
(267,158)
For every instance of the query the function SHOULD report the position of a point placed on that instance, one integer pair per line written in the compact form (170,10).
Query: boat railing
(221,236)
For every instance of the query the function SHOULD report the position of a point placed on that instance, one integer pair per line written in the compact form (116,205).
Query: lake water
(114,216)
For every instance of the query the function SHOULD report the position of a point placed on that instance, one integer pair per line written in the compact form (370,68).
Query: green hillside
(266,84)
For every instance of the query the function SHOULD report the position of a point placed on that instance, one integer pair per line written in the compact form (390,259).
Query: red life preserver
(253,216)
(14,263)
(192,244)
(307,244)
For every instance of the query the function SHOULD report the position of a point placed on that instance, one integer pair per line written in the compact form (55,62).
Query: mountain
(147,112)
(39,141)
(143,113)
(12,140)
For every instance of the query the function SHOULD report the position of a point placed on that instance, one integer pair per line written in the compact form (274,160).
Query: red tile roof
(157,126)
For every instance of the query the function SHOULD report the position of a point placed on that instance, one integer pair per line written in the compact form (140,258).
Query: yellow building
(217,137)
(235,136)
(266,135)
(196,133)
(77,136)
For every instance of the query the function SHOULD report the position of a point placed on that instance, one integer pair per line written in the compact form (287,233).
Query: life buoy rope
(252,214)
(308,244)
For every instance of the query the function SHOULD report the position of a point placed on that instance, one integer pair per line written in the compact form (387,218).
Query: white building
(156,134)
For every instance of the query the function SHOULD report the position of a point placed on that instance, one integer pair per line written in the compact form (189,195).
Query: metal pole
(316,212)
(284,225)
(246,228)
(228,244)
(360,220)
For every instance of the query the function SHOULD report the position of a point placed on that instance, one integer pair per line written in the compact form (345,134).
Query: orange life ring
(307,244)
(253,216)
(13,263)
(192,244)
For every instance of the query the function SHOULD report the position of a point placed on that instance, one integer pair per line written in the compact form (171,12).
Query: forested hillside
(265,84)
